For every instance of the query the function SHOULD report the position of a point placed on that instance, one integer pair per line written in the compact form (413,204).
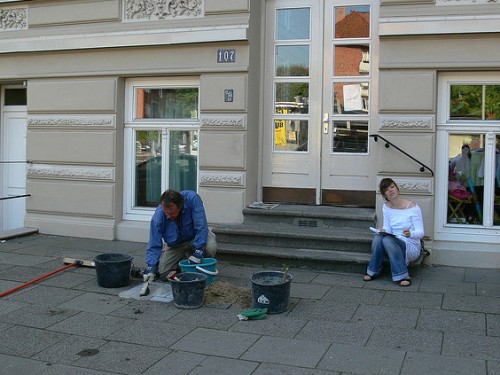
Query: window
(469,126)
(351,83)
(161,135)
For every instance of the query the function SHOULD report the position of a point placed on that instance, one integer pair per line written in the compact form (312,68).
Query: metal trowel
(148,279)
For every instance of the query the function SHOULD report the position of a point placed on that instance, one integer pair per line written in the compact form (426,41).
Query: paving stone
(339,279)
(58,369)
(218,343)
(430,364)
(348,333)
(362,360)
(471,346)
(37,316)
(69,350)
(472,303)
(275,369)
(286,351)
(324,309)
(412,299)
(493,324)
(409,340)
(277,325)
(12,365)
(482,275)
(343,294)
(22,274)
(26,341)
(147,310)
(493,367)
(94,302)
(452,321)
(208,318)
(448,287)
(7,306)
(123,358)
(91,324)
(488,290)
(67,279)
(224,366)
(437,272)
(386,283)
(299,290)
(148,333)
(26,260)
(45,295)
(176,363)
(385,316)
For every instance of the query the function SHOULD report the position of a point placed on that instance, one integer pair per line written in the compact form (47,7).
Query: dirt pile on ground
(224,292)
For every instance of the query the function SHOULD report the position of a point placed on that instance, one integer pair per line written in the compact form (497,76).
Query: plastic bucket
(188,290)
(207,266)
(113,270)
(271,290)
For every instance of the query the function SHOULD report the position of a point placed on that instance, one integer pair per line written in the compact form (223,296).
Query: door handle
(326,123)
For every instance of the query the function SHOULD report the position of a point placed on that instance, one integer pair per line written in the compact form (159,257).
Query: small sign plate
(226,56)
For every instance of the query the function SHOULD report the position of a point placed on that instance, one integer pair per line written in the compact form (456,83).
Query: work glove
(197,256)
(150,270)
(253,314)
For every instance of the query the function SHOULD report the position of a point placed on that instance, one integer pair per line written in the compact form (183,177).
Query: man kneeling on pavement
(178,230)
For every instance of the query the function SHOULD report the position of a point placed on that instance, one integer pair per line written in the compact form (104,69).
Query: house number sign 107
(226,56)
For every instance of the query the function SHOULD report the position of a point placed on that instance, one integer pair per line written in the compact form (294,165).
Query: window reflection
(148,167)
(352,60)
(290,135)
(292,97)
(292,24)
(350,98)
(183,159)
(350,136)
(292,61)
(475,102)
(172,103)
(352,22)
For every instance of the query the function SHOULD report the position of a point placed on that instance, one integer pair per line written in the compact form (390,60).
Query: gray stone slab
(323,310)
(277,325)
(430,364)
(412,299)
(275,369)
(482,275)
(12,365)
(26,260)
(68,279)
(493,367)
(22,274)
(148,310)
(471,346)
(123,358)
(386,283)
(45,295)
(26,341)
(94,302)
(409,340)
(343,294)
(176,363)
(37,316)
(472,303)
(59,369)
(452,321)
(488,290)
(205,317)
(40,249)
(91,324)
(347,333)
(286,351)
(384,316)
(224,366)
(69,350)
(300,290)
(7,306)
(339,279)
(144,332)
(436,272)
(362,360)
(493,324)
(448,287)
(218,343)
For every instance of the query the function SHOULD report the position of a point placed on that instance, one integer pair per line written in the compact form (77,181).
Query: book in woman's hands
(378,231)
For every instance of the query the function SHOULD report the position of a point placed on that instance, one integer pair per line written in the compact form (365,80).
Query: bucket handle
(212,273)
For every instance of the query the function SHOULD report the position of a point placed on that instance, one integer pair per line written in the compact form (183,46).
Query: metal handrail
(423,167)
(15,196)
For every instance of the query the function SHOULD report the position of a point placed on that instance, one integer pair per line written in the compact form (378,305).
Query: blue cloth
(193,227)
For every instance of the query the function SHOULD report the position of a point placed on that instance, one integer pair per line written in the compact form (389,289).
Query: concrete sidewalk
(447,322)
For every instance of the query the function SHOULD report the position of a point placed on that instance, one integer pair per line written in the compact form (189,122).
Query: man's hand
(197,256)
(150,270)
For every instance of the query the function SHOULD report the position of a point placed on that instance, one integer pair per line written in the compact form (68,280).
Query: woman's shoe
(370,277)
(405,282)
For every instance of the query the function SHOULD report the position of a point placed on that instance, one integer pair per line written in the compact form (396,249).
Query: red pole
(38,279)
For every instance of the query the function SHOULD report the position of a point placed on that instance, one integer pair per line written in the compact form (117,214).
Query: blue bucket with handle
(207,267)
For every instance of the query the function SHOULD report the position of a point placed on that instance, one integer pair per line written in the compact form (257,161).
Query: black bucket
(113,270)
(271,290)
(189,290)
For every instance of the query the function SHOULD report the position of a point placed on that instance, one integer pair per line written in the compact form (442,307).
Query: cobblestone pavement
(446,322)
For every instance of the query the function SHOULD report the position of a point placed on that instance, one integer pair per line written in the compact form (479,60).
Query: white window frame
(485,233)
(131,124)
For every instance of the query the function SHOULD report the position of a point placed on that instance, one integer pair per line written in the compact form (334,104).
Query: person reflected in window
(399,238)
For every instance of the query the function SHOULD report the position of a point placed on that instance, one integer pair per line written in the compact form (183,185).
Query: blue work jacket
(193,226)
